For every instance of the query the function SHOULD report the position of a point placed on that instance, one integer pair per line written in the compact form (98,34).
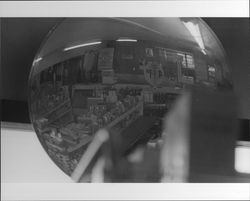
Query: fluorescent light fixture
(82,45)
(126,40)
(204,52)
(195,32)
(242,159)
(37,60)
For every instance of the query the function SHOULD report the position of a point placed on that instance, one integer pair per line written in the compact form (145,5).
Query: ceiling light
(37,60)
(126,40)
(82,45)
(204,52)
(195,32)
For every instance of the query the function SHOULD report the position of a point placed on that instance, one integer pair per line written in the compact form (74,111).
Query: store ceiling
(168,30)
(20,40)
(77,30)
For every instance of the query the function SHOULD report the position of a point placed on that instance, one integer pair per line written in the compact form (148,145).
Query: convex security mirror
(110,81)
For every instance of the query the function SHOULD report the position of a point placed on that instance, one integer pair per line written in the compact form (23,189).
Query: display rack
(53,146)
(139,106)
(155,105)
(126,114)
(61,115)
(55,108)
(58,112)
(83,142)
(164,89)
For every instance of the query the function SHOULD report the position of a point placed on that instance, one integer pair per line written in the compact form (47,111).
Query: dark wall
(234,34)
(20,40)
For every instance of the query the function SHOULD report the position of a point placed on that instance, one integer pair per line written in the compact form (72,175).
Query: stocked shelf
(90,86)
(125,115)
(54,146)
(55,108)
(155,105)
(60,115)
(120,85)
(86,140)
(83,142)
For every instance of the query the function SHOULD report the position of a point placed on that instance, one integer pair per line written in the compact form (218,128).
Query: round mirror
(100,87)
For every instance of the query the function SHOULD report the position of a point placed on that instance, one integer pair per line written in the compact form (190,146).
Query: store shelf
(83,142)
(55,108)
(119,85)
(110,125)
(123,116)
(168,90)
(155,105)
(100,85)
(60,115)
(69,141)
(61,149)
(91,86)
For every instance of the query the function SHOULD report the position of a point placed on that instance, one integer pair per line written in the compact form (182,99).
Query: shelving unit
(58,112)
(55,108)
(120,85)
(155,105)
(125,115)
(85,141)
(61,115)
(53,146)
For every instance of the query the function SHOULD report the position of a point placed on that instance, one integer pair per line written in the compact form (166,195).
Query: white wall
(27,173)
(24,160)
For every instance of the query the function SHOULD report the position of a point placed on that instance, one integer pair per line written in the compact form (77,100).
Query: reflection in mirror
(122,75)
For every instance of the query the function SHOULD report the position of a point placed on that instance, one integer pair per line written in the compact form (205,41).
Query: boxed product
(108,76)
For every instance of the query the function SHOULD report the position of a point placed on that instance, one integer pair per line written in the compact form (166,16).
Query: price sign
(153,73)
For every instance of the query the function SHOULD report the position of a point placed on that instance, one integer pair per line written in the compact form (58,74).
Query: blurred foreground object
(198,145)
(200,136)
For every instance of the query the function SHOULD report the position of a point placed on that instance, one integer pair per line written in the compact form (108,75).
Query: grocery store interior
(132,99)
